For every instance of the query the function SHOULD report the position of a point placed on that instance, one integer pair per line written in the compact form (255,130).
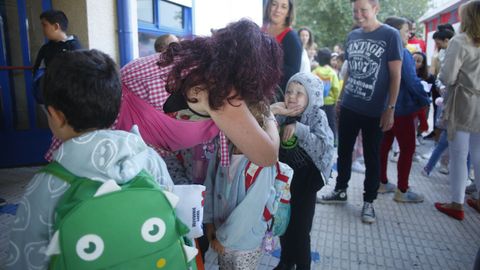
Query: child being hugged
(307,147)
(234,205)
(82,93)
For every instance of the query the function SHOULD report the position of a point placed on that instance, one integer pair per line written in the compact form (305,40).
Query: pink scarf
(159,129)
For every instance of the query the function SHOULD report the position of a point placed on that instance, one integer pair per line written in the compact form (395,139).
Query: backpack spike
(190,252)
(172,198)
(107,187)
(53,247)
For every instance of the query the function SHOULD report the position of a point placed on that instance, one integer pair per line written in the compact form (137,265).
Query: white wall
(208,14)
(102,26)
(94,22)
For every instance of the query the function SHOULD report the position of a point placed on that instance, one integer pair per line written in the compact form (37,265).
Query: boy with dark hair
(374,55)
(82,93)
(54,26)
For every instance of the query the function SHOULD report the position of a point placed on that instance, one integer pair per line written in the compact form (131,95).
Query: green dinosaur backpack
(105,226)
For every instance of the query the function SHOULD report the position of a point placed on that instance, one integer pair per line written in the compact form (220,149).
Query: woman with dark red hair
(207,81)
(186,95)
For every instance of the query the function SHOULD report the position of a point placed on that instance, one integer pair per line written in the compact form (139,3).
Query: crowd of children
(325,100)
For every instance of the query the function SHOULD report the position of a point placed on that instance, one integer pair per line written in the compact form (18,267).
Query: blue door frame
(26,146)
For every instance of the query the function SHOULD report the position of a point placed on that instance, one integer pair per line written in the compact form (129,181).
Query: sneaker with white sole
(368,213)
(386,188)
(443,169)
(408,197)
(424,172)
(339,196)
(358,167)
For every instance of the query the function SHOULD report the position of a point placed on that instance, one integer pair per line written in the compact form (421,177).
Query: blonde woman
(461,75)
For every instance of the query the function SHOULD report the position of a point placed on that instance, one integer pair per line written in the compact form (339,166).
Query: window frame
(156,29)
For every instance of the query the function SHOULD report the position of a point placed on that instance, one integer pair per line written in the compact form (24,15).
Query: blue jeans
(438,151)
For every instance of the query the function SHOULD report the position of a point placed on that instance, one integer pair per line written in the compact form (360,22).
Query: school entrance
(24,133)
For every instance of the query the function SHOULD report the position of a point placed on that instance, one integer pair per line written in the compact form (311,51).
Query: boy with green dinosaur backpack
(103,202)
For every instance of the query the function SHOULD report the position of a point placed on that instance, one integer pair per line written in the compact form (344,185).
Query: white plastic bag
(190,207)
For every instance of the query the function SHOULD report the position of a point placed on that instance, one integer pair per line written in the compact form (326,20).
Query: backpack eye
(153,229)
(90,247)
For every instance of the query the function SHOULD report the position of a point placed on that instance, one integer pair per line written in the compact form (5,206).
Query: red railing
(15,67)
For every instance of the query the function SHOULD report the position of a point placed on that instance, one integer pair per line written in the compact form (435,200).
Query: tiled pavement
(405,236)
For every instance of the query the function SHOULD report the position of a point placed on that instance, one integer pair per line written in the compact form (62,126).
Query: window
(145,11)
(159,17)
(171,15)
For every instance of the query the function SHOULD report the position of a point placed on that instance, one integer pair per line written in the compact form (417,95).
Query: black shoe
(431,135)
(334,197)
(2,202)
(284,266)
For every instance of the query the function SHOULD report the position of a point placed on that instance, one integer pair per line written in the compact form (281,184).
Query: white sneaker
(408,197)
(426,156)
(358,167)
(386,188)
(420,140)
(394,157)
(425,173)
(443,169)
(416,157)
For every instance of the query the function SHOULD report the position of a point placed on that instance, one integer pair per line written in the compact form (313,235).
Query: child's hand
(217,247)
(210,231)
(279,108)
(288,131)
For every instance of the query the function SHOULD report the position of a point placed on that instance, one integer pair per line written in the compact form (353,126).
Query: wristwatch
(391,107)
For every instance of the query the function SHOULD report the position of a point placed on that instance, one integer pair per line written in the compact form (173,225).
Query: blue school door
(24,133)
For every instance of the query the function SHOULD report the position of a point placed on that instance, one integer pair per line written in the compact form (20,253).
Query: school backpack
(105,226)
(327,85)
(277,214)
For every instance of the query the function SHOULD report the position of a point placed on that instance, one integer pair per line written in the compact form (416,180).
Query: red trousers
(422,118)
(404,130)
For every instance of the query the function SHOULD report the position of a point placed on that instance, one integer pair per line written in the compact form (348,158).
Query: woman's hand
(279,108)
(235,120)
(210,231)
